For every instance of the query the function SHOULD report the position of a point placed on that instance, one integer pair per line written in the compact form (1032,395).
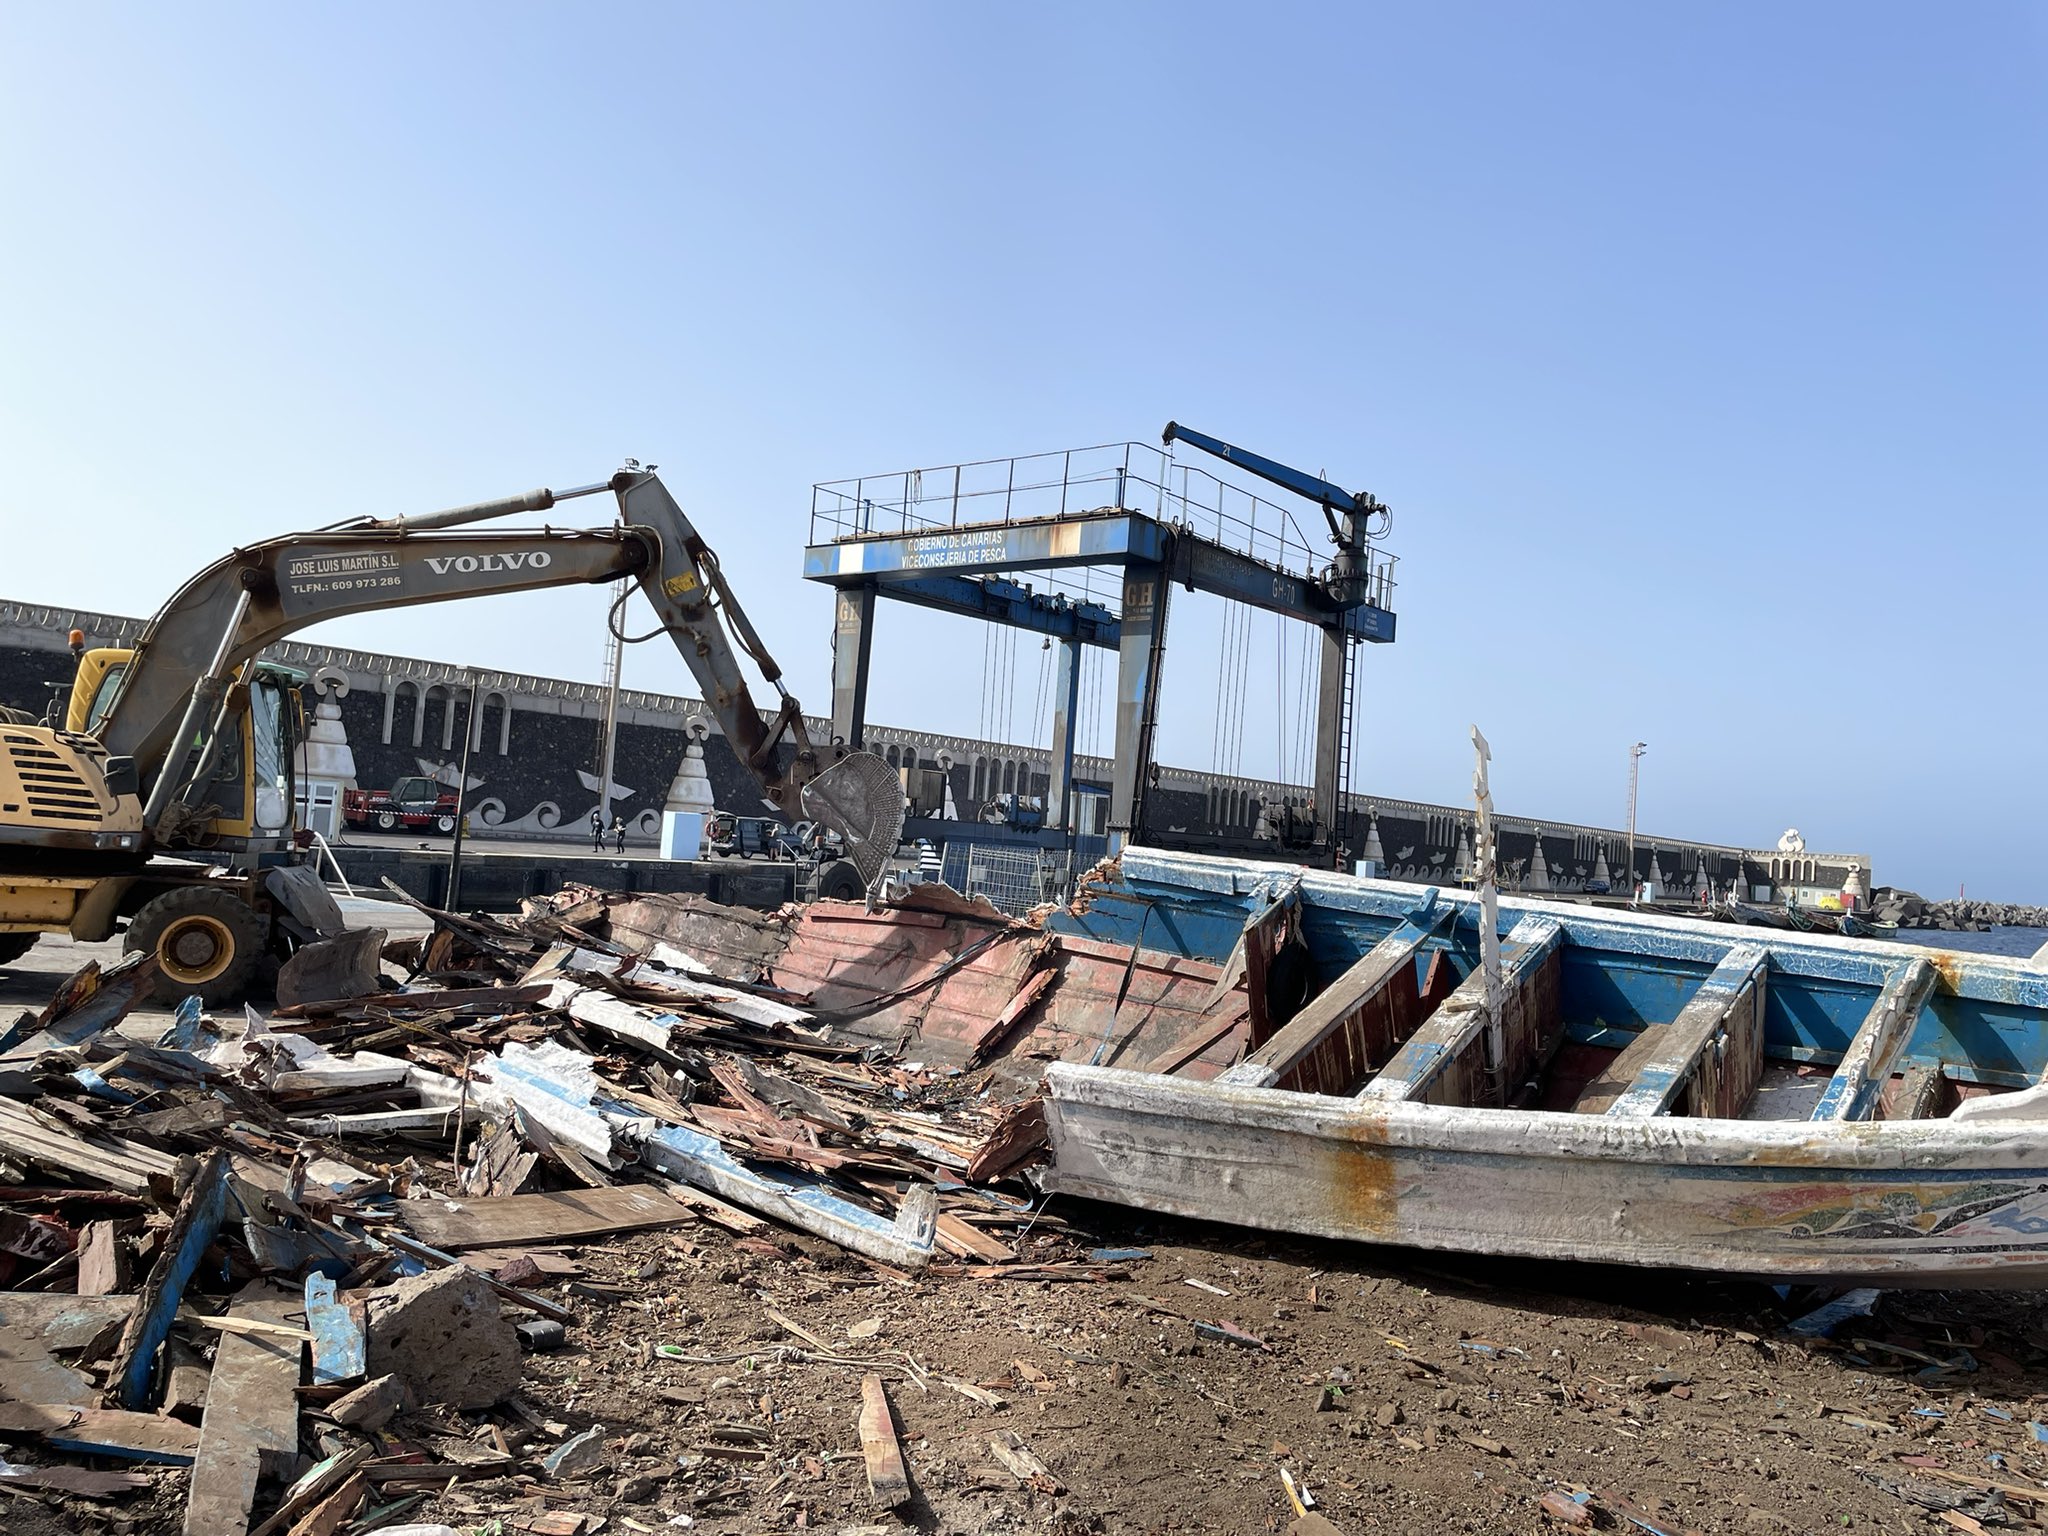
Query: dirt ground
(1407,1396)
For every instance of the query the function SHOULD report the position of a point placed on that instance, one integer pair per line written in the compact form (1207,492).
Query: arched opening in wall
(437,719)
(893,758)
(980,780)
(493,713)
(402,703)
(1009,778)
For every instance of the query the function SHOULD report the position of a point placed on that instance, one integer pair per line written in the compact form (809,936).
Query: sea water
(2018,942)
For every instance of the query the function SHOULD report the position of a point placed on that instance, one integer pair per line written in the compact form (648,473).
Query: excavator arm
(176,690)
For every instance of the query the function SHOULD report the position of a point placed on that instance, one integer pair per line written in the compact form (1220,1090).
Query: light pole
(1635,758)
(461,799)
(614,659)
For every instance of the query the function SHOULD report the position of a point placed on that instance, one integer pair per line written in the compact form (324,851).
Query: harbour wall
(535,744)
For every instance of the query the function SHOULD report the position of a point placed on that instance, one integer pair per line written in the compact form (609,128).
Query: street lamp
(469,731)
(1635,758)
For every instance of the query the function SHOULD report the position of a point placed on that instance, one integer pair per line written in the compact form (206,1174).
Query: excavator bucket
(861,799)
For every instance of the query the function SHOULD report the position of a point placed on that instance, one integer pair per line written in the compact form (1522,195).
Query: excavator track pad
(861,798)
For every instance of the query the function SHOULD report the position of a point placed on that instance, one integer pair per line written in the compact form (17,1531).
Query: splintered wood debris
(242,1255)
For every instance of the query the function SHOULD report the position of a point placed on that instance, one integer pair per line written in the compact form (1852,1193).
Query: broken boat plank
(339,1342)
(1867,1063)
(89,1004)
(102,1260)
(497,999)
(124,1166)
(199,1216)
(497,1220)
(888,1481)
(436,1121)
(958,1237)
(103,1432)
(34,1324)
(252,1417)
(797,1198)
(1709,1059)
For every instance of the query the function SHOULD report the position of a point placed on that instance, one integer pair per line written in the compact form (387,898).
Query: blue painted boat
(1631,1089)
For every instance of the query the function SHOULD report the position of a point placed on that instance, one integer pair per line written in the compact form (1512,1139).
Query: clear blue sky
(1700,350)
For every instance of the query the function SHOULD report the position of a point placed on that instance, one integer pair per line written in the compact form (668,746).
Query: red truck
(419,804)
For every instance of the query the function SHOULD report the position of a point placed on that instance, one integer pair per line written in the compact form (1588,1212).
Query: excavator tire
(14,945)
(205,941)
(840,881)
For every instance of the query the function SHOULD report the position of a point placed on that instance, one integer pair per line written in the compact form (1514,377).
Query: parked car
(416,803)
(747,836)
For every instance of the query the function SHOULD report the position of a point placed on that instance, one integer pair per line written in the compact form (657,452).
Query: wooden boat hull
(1393,1114)
(1907,1204)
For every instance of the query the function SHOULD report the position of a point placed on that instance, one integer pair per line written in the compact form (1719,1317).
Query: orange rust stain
(1948,966)
(1365,1130)
(1361,1184)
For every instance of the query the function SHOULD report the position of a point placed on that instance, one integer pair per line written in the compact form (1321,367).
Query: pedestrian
(597,829)
(619,831)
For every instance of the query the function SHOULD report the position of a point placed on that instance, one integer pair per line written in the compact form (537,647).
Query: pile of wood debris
(252,1269)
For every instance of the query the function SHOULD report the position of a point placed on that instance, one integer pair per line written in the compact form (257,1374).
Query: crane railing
(1137,477)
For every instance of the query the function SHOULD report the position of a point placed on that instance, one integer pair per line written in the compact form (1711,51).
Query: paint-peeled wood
(1928,1203)
(200,1213)
(339,1346)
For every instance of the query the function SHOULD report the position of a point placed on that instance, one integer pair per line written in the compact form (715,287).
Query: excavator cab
(246,799)
(93,687)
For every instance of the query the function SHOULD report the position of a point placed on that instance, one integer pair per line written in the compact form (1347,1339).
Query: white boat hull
(1894,1203)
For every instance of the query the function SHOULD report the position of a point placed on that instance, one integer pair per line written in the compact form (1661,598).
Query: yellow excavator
(165,803)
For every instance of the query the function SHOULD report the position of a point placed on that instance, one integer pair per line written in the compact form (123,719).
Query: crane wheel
(14,945)
(205,941)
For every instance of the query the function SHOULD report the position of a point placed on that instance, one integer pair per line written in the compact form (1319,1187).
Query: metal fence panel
(1014,879)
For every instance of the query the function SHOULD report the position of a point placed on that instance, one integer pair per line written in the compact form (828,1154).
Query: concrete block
(443,1333)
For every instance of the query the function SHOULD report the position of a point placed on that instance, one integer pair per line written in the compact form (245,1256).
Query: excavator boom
(177,682)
